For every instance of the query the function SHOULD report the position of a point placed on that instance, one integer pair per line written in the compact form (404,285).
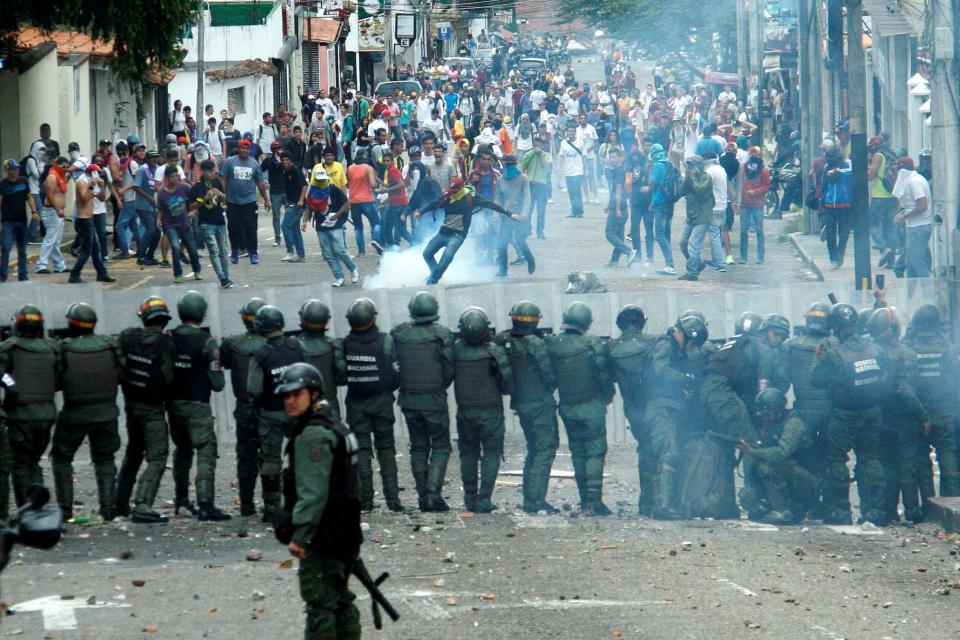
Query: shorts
(728,223)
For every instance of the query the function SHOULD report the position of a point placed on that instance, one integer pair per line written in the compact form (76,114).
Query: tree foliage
(145,33)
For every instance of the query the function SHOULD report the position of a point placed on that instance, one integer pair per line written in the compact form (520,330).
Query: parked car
(391,87)
(530,67)
(465,63)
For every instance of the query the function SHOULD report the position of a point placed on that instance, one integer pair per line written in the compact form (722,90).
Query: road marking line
(142,281)
(826,632)
(59,614)
(428,609)
(733,584)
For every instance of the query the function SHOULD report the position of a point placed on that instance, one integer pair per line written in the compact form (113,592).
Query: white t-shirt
(99,206)
(266,133)
(537,97)
(376,123)
(569,159)
(214,140)
(719,176)
(179,121)
(424,107)
(910,187)
(587,138)
(129,174)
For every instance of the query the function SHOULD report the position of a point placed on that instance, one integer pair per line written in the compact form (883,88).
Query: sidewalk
(33,250)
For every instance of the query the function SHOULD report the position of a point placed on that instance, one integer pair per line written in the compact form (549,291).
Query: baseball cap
(874,141)
(152,154)
(455,185)
(105,142)
(10,164)
(133,140)
(245,143)
(276,144)
(93,168)
(319,173)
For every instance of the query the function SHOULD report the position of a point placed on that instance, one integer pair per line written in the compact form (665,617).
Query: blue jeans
(450,243)
(358,211)
(127,227)
(14,232)
(614,235)
(539,194)
(100,226)
(177,235)
(292,237)
(661,231)
(51,242)
(917,251)
(215,239)
(34,228)
(86,231)
(716,237)
(393,228)
(276,206)
(754,216)
(575,193)
(882,231)
(333,244)
(149,235)
(640,212)
(695,234)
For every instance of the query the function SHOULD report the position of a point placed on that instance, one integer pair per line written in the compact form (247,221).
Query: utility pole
(857,109)
(201,71)
(811,121)
(741,51)
(758,6)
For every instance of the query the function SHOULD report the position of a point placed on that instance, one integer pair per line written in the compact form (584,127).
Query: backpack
(670,189)
(891,170)
(23,167)
(705,481)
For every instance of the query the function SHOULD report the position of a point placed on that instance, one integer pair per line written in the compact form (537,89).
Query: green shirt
(314,452)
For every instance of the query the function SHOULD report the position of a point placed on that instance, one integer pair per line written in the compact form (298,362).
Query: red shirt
(397,196)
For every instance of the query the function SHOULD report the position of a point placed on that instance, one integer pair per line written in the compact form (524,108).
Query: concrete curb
(810,262)
(946,513)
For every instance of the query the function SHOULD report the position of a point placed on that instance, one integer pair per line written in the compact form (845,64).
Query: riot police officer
(748,324)
(321,351)
(32,367)
(938,371)
(672,378)
(269,361)
(811,404)
(585,388)
(782,469)
(196,375)
(628,356)
(425,357)
(326,533)
(91,366)
(148,357)
(532,399)
(236,352)
(853,370)
(482,375)
(369,366)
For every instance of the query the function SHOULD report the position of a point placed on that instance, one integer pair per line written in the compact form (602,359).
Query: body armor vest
(142,377)
(629,358)
(190,381)
(864,377)
(319,352)
(527,380)
(273,360)
(242,355)
(34,373)
(90,377)
(733,361)
(368,374)
(575,371)
(799,361)
(420,368)
(475,385)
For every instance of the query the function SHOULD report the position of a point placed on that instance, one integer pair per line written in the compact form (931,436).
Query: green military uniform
(482,374)
(853,370)
(672,378)
(326,512)
(267,364)
(367,363)
(628,356)
(32,367)
(938,371)
(733,376)
(236,353)
(6,462)
(585,388)
(92,366)
(811,403)
(782,473)
(532,399)
(196,375)
(148,356)
(425,358)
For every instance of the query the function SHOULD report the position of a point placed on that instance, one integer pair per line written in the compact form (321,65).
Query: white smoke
(406,268)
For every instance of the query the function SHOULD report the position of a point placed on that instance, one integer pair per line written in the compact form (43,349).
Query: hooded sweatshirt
(698,190)
(34,165)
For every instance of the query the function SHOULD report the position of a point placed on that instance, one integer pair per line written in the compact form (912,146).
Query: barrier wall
(117,309)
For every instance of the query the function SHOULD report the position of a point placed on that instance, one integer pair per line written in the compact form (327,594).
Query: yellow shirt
(338,176)
(877,189)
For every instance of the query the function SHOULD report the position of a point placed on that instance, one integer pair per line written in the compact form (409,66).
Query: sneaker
(288,257)
(729,259)
(635,258)
(354,276)
(254,259)
(646,264)
(519,260)
(719,268)
(668,271)
(613,263)
(227,284)
(106,278)
(147,262)
(122,256)
(276,243)
(234,259)
(43,271)
(298,259)
(338,283)
(742,261)
(759,260)
(688,276)
(107,259)
(500,274)
(74,279)
(164,263)
(197,276)
(376,245)
(64,270)
(178,280)
(244,254)
(549,200)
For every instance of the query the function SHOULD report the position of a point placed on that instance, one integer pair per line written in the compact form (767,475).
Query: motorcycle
(31,525)
(786,185)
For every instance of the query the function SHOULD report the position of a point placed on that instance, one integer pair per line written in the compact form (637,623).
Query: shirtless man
(89,186)
(55,189)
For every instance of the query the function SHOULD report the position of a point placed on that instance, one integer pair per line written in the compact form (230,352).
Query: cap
(10,164)
(319,173)
(276,144)
(509,159)
(132,140)
(874,141)
(93,168)
(105,142)
(455,185)
(245,143)
(152,153)
(181,140)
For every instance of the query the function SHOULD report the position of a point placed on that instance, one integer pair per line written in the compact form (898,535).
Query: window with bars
(236,100)
(311,65)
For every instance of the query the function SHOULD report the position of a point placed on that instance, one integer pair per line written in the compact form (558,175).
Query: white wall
(73,81)
(258,90)
(39,102)
(234,44)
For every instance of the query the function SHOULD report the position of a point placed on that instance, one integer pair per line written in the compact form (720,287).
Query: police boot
(489,468)
(246,488)
(649,492)
(270,488)
(435,475)
(419,472)
(208,512)
(365,477)
(348,632)
(665,509)
(124,490)
(387,457)
(182,499)
(63,485)
(106,490)
(143,514)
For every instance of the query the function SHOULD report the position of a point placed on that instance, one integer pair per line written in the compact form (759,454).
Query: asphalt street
(503,575)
